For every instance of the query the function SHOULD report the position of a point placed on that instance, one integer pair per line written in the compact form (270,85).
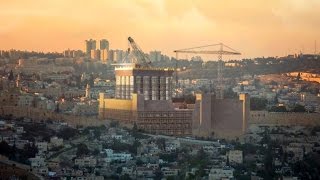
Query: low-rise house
(297,153)
(37,162)
(210,149)
(144,172)
(122,157)
(20,143)
(235,157)
(41,170)
(153,166)
(56,142)
(169,171)
(53,164)
(19,129)
(116,136)
(218,173)
(307,147)
(85,162)
(42,147)
(192,172)
(172,146)
(127,170)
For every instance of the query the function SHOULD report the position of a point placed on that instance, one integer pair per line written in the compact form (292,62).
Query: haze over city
(257,28)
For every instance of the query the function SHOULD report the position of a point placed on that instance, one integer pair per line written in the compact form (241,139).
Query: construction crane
(141,59)
(220,52)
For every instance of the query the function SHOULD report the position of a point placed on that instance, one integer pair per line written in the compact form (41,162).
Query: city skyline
(273,28)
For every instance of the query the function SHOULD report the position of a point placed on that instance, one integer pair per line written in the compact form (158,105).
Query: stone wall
(38,115)
(284,118)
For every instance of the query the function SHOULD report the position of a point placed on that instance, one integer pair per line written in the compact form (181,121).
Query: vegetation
(19,155)
(258,104)
(67,133)
(309,167)
(278,109)
(118,146)
(298,108)
(82,149)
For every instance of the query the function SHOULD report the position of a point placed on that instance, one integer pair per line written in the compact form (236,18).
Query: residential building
(42,147)
(90,45)
(104,44)
(85,162)
(56,142)
(37,162)
(235,157)
(111,156)
(218,173)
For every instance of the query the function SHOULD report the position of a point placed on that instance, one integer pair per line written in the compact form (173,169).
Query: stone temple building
(143,97)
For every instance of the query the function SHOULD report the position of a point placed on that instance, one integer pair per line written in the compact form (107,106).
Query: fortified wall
(154,116)
(39,115)
(284,118)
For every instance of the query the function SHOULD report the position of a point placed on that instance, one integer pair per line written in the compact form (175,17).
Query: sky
(256,28)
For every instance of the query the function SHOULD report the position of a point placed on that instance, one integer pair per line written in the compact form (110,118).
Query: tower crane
(141,59)
(220,52)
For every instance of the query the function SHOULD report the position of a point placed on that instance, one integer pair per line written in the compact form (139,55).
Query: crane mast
(141,58)
(220,86)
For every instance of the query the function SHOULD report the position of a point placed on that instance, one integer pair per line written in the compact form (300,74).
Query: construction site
(143,96)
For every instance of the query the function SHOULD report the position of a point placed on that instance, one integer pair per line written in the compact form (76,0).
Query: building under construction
(153,83)
(143,97)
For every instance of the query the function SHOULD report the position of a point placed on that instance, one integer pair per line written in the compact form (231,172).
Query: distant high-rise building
(72,53)
(90,45)
(110,55)
(95,54)
(118,55)
(104,55)
(104,44)
(155,56)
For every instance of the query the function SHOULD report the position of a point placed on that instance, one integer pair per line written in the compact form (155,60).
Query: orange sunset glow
(254,27)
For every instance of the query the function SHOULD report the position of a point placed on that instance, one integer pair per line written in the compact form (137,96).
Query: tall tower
(88,91)
(90,45)
(104,44)
(245,110)
(18,81)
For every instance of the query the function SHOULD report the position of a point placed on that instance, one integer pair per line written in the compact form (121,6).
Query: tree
(97,133)
(67,133)
(5,149)
(119,170)
(298,108)
(274,83)
(161,142)
(82,149)
(229,93)
(114,124)
(278,109)
(258,104)
(125,177)
(11,77)
(134,147)
(29,151)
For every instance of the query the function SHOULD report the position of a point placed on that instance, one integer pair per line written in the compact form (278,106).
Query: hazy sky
(254,27)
